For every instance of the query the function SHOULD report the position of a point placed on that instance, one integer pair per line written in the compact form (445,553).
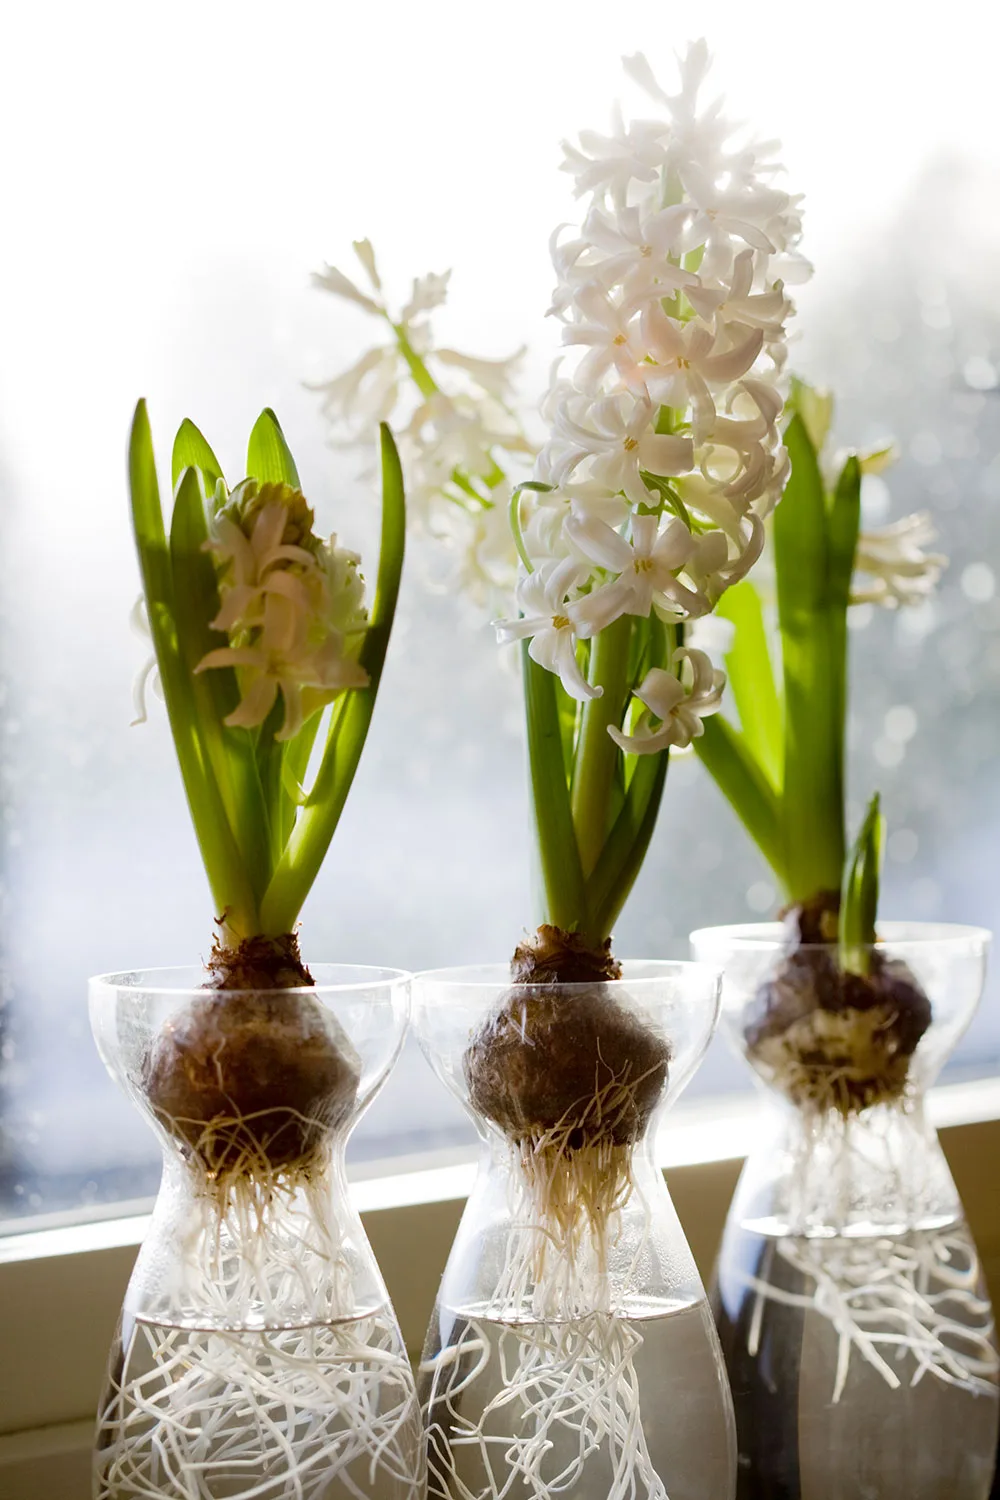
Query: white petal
(661,692)
(516,630)
(256,703)
(735,362)
(673,546)
(645,741)
(366,255)
(637,67)
(599,609)
(665,454)
(598,542)
(336,282)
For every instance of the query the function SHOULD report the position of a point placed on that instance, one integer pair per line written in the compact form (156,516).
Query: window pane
(168,215)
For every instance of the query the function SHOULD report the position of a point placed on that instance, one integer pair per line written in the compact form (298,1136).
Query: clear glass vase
(849,1297)
(258,1354)
(572,1350)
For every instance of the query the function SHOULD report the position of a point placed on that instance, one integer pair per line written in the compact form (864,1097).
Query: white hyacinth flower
(647,567)
(291,605)
(670,289)
(551,622)
(892,566)
(615,437)
(679,706)
(460,441)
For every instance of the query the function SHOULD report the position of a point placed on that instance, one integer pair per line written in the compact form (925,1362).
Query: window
(171,201)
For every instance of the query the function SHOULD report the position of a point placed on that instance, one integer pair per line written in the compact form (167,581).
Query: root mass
(831,1039)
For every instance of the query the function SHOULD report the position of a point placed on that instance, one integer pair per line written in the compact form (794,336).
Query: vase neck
(275,1255)
(523,1254)
(878,1171)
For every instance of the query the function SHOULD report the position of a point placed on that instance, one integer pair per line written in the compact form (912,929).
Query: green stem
(422,377)
(563,888)
(428,386)
(597,756)
(621,858)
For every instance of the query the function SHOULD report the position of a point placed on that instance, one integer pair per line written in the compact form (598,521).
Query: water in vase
(863,1367)
(318,1412)
(599,1407)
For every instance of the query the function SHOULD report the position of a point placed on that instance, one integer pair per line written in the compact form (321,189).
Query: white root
(908,1307)
(566,1357)
(556,1378)
(291,1414)
(251,1375)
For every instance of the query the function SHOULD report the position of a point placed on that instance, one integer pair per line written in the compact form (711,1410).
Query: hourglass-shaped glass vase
(856,1325)
(572,1351)
(258,1354)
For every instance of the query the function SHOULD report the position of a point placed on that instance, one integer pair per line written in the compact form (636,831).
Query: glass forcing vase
(849,1296)
(572,1350)
(257,1354)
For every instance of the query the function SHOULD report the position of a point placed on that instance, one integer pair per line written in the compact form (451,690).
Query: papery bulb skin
(257,963)
(577,1066)
(552,956)
(571,1076)
(252,1078)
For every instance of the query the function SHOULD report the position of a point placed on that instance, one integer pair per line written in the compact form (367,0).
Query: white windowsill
(714,1130)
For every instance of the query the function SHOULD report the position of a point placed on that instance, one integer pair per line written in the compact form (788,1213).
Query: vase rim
(493,976)
(896,935)
(181,979)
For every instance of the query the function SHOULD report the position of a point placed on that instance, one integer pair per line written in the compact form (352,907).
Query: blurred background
(173,172)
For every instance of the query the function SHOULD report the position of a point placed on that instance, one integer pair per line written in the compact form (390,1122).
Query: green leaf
(859,896)
(229,753)
(800,541)
(569,709)
(811,616)
(269,458)
(349,720)
(815,407)
(625,849)
(742,780)
(559,858)
(639,789)
(751,678)
(192,451)
(843,525)
(597,757)
(220,855)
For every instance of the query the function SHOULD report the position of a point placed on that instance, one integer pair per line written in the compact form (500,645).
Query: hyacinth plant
(269,663)
(647,501)
(260,633)
(662,460)
(838,1023)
